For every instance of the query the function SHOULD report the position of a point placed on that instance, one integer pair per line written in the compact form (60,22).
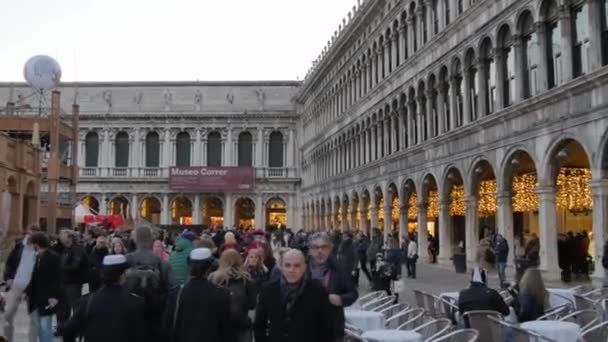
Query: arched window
(182,149)
(580,58)
(425,33)
(152,150)
(121,150)
(554,48)
(508,66)
(530,49)
(214,149)
(275,150)
(460,6)
(91,147)
(245,149)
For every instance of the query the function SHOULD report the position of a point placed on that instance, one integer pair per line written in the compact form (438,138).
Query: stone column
(599,190)
(440,109)
(344,218)
(423,239)
(363,215)
(483,100)
(388,220)
(403,41)
(386,57)
(369,145)
(428,4)
(165,214)
(375,146)
(445,233)
(403,134)
(504,217)
(466,98)
(403,208)
(197,148)
(543,68)
(393,133)
(387,135)
(374,217)
(410,35)
(547,222)
(196,210)
(353,215)
(420,21)
(374,61)
(103,210)
(500,80)
(370,73)
(228,211)
(411,117)
(421,118)
(394,49)
(595,35)
(134,208)
(565,24)
(471,228)
(519,71)
(259,148)
(454,103)
(429,117)
(291,151)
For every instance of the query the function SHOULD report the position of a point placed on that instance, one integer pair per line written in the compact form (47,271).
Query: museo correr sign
(211,179)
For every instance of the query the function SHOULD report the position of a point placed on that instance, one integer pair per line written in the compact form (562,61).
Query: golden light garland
(395,209)
(433,208)
(573,190)
(457,207)
(487,198)
(525,198)
(412,209)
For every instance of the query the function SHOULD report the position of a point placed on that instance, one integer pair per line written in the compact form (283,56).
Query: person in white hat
(111,313)
(199,298)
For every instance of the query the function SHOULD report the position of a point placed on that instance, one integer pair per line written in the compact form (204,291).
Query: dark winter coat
(203,314)
(501,250)
(480,297)
(74,264)
(12,262)
(45,283)
(310,318)
(95,263)
(113,314)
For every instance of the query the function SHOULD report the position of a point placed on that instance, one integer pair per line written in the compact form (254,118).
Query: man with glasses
(324,269)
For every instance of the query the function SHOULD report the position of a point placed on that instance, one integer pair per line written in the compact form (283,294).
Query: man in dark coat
(109,314)
(293,308)
(479,297)
(74,270)
(338,283)
(199,310)
(44,289)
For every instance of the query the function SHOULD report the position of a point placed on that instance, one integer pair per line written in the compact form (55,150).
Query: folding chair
(420,299)
(434,329)
(598,332)
(394,309)
(555,313)
(463,335)
(480,321)
(378,303)
(584,318)
(503,331)
(371,297)
(407,320)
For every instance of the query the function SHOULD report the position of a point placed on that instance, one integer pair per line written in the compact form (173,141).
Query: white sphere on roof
(42,72)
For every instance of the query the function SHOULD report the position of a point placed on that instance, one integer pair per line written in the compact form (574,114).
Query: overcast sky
(168,40)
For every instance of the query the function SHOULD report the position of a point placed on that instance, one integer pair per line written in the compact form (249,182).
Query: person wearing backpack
(151,278)
(232,276)
(110,314)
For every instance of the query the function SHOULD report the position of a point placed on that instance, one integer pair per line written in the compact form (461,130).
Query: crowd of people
(223,285)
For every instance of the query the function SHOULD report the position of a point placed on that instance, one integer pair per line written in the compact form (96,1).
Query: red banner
(212,179)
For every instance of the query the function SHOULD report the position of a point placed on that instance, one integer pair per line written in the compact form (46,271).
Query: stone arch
(601,161)
(471,176)
(549,171)
(505,169)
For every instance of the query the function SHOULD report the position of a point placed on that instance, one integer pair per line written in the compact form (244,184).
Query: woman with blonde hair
(118,247)
(231,274)
(533,296)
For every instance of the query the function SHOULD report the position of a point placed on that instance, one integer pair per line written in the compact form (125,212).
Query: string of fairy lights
(573,193)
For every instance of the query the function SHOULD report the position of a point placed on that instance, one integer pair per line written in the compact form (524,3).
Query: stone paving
(430,278)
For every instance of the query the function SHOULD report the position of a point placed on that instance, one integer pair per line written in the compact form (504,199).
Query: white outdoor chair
(503,331)
(394,309)
(371,297)
(480,321)
(584,318)
(352,336)
(434,329)
(407,320)
(378,303)
(597,332)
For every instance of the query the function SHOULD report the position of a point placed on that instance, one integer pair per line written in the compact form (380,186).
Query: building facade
(462,117)
(131,134)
